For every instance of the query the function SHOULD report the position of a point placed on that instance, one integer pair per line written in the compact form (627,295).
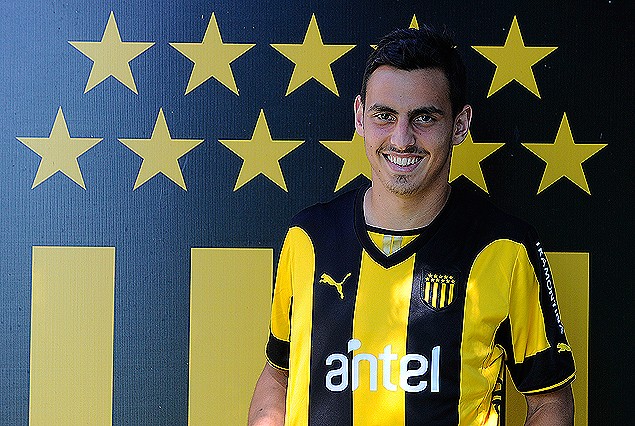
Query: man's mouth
(400,161)
(403,161)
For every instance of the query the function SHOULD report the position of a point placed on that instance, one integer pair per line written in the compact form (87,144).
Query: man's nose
(402,136)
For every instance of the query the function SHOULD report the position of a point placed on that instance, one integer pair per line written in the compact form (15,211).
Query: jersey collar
(425,233)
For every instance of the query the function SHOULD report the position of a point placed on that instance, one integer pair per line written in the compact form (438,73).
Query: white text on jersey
(337,378)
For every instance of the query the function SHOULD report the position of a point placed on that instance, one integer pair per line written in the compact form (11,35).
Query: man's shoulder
(481,213)
(341,208)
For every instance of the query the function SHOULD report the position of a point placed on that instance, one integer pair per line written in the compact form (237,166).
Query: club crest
(438,290)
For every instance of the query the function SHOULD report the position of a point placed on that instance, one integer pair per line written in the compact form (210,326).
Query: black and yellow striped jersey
(420,336)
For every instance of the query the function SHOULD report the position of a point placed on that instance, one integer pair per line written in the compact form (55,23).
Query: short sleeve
(280,326)
(539,359)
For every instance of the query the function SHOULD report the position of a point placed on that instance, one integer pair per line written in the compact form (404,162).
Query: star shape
(514,61)
(261,154)
(467,158)
(564,157)
(59,152)
(353,153)
(160,153)
(212,58)
(413,23)
(312,59)
(111,56)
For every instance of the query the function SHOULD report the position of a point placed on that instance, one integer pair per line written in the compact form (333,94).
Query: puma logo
(562,347)
(326,279)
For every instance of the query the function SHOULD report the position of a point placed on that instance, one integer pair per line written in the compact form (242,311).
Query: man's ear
(359,115)
(461,125)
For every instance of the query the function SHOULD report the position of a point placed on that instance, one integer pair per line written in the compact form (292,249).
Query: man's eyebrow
(427,110)
(381,108)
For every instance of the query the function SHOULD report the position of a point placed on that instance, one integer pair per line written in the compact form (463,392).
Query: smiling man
(401,302)
(409,128)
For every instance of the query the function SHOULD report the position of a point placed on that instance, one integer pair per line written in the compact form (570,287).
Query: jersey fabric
(421,336)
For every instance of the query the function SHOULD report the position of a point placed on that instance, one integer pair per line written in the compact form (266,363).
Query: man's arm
(268,402)
(551,408)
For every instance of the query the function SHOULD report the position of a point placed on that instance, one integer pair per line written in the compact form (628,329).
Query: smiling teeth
(403,161)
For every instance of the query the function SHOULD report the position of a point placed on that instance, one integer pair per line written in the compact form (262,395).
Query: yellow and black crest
(437,290)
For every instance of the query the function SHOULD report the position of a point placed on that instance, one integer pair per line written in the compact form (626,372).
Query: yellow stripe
(481,362)
(435,295)
(303,273)
(280,326)
(72,320)
(442,301)
(451,296)
(381,319)
(226,355)
(525,313)
(426,291)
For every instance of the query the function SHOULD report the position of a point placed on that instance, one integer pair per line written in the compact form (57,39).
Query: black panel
(338,253)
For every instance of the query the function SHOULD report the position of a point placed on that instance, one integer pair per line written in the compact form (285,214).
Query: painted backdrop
(152,153)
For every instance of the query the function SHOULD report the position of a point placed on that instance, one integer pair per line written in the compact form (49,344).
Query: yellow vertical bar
(230,299)
(435,298)
(571,275)
(72,319)
(443,292)
(381,319)
(426,291)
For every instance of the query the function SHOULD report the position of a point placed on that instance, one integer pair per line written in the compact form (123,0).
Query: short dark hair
(412,49)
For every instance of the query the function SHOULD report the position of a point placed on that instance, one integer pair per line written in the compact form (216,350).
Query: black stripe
(428,328)
(337,253)
(551,366)
(446,253)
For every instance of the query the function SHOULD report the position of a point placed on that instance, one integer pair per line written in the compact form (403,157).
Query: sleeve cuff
(277,352)
(557,386)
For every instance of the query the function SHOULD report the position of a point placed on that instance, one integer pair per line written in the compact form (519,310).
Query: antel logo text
(337,378)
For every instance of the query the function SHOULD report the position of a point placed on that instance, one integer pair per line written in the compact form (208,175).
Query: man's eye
(384,116)
(423,119)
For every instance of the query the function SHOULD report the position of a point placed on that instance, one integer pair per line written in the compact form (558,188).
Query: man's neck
(386,210)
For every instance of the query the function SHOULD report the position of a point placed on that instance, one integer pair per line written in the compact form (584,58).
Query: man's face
(409,130)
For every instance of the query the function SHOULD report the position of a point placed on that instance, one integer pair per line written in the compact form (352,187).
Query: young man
(401,302)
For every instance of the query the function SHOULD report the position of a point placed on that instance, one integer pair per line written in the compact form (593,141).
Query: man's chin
(401,186)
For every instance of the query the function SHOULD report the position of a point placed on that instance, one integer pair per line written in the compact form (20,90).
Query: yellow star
(514,61)
(212,58)
(59,152)
(414,24)
(564,157)
(261,154)
(160,153)
(111,56)
(467,158)
(354,155)
(312,59)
